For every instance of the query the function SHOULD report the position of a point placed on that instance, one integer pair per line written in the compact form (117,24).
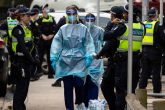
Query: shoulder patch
(19,32)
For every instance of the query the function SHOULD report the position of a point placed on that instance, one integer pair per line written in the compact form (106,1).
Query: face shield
(72,16)
(89,21)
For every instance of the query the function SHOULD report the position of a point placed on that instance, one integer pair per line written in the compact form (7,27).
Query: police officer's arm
(158,32)
(35,30)
(18,33)
(108,49)
(114,33)
(143,27)
(39,23)
(3,26)
(54,27)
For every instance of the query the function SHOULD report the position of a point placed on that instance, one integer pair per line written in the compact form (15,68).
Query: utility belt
(20,58)
(121,56)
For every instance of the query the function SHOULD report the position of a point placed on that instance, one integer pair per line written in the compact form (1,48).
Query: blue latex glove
(88,60)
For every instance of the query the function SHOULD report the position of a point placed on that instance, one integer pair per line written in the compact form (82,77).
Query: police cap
(152,12)
(34,11)
(20,6)
(136,11)
(11,9)
(125,8)
(116,10)
(45,6)
(24,10)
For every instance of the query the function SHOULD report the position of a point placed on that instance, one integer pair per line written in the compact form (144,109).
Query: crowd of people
(75,49)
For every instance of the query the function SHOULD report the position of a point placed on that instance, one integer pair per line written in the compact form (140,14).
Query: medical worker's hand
(88,60)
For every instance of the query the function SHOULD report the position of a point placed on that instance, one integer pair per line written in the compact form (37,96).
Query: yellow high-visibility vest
(148,38)
(47,20)
(138,34)
(11,23)
(28,37)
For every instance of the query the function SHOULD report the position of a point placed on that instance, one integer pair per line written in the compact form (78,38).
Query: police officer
(36,74)
(152,52)
(7,26)
(47,26)
(22,45)
(121,62)
(113,30)
(163,58)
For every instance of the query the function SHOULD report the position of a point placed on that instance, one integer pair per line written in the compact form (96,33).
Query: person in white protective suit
(71,55)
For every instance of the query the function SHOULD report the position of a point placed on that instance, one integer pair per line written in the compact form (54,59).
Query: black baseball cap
(24,10)
(45,6)
(136,10)
(125,8)
(34,11)
(11,9)
(152,12)
(116,10)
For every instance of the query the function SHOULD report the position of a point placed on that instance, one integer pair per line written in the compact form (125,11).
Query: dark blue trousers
(22,85)
(71,82)
(151,65)
(121,78)
(91,91)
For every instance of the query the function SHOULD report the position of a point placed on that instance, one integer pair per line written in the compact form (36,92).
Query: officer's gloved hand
(88,60)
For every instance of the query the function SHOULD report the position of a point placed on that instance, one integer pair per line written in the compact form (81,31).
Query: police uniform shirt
(19,34)
(4,26)
(47,28)
(157,35)
(33,26)
(112,32)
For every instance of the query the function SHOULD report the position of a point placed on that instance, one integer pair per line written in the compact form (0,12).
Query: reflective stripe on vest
(148,38)
(138,33)
(11,24)
(28,37)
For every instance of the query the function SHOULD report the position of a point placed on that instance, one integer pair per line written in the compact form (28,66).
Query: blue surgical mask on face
(90,24)
(72,18)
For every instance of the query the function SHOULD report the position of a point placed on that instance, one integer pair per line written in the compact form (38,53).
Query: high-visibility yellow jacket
(28,37)
(148,38)
(138,34)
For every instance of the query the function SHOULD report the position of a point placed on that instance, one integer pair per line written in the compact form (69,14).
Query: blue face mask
(90,24)
(71,19)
